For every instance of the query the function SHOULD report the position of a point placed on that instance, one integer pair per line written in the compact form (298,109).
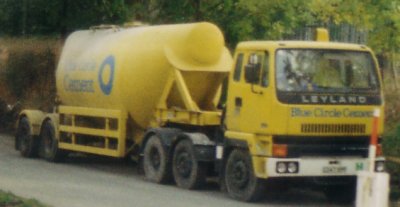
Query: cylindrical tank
(128,68)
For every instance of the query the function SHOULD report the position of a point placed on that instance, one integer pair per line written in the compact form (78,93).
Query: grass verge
(10,200)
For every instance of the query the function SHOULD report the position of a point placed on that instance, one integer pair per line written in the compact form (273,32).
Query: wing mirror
(252,70)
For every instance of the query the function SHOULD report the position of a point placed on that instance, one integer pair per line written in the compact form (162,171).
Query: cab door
(249,93)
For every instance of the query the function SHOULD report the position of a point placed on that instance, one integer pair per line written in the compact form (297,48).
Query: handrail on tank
(105,26)
(134,24)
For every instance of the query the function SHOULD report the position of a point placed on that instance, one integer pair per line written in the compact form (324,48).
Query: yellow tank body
(128,68)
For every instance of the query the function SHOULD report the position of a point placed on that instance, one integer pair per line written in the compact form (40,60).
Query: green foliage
(25,69)
(18,76)
(10,200)
(43,17)
(239,19)
(391,144)
(29,72)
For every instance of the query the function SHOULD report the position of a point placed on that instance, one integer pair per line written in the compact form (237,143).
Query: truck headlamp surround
(287,167)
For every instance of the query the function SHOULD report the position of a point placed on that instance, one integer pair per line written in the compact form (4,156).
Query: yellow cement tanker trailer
(146,90)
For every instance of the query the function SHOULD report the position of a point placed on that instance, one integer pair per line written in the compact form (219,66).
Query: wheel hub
(240,174)
(48,142)
(184,164)
(155,158)
(24,138)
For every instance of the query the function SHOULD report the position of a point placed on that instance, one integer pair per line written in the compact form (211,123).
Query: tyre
(240,181)
(188,172)
(25,142)
(343,194)
(156,165)
(49,144)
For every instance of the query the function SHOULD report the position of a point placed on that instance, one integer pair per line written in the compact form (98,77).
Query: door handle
(238,102)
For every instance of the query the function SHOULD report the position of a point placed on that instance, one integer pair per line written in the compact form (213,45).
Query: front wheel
(49,144)
(24,140)
(188,172)
(155,161)
(240,181)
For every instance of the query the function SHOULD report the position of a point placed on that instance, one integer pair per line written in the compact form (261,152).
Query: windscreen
(322,70)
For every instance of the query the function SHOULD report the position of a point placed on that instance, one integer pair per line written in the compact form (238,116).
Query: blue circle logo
(107,87)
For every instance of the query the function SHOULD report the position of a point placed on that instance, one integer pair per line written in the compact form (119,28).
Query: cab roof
(262,45)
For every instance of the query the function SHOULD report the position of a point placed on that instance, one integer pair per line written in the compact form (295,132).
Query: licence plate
(334,169)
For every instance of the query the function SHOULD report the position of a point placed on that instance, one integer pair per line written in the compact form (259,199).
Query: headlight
(287,167)
(281,167)
(379,166)
(293,167)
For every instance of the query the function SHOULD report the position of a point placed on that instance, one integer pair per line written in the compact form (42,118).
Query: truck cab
(304,109)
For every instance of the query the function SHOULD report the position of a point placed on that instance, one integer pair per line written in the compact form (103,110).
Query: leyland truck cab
(305,109)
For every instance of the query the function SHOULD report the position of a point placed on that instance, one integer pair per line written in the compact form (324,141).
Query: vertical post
(374,140)
(107,128)
(73,126)
(394,69)
(24,16)
(373,187)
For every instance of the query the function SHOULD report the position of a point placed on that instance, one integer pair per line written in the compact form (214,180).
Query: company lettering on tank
(77,85)
(81,85)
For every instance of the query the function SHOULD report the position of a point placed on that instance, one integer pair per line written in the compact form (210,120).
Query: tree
(42,17)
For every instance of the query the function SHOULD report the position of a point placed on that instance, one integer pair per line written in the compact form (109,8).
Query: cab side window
(265,71)
(238,67)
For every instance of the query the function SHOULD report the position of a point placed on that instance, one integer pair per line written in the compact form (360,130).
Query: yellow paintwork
(260,146)
(35,118)
(185,109)
(149,75)
(143,58)
(270,117)
(262,116)
(118,134)
(322,35)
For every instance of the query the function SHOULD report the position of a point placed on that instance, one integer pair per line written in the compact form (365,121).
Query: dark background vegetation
(32,33)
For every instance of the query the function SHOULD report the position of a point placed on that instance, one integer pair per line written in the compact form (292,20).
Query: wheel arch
(54,118)
(204,148)
(35,119)
(231,144)
(167,136)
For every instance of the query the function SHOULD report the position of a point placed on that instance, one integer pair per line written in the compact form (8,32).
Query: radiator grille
(333,128)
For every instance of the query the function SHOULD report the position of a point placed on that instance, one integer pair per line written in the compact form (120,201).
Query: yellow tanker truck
(295,110)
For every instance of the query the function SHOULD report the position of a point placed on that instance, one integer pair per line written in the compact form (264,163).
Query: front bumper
(313,166)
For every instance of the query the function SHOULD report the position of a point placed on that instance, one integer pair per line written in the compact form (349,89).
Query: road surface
(85,181)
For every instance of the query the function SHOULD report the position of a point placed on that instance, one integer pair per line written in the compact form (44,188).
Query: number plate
(334,169)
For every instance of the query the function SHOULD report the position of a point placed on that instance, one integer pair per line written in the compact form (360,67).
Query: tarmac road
(85,181)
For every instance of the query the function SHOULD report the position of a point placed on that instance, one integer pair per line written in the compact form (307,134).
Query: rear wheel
(188,172)
(24,140)
(155,161)
(49,144)
(241,183)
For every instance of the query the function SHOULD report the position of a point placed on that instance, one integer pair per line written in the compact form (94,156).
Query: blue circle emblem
(107,87)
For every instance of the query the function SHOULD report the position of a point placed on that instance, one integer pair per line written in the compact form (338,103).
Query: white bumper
(326,166)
